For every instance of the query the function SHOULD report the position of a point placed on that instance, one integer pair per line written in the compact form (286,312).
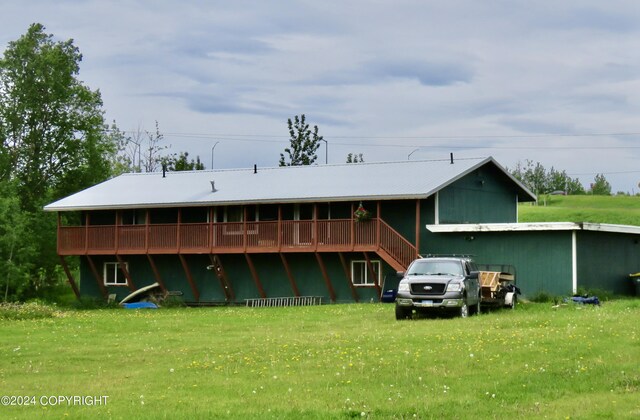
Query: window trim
(366,273)
(118,273)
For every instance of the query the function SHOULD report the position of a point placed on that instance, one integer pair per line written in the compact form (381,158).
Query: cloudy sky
(551,81)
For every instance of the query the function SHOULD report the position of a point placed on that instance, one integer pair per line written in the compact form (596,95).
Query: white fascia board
(149,205)
(606,227)
(530,227)
(502,227)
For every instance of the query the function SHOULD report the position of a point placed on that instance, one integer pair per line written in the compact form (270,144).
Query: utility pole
(212,149)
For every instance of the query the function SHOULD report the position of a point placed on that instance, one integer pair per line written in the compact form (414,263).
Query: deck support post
(86,232)
(72,282)
(347,273)
(156,273)
(325,275)
(98,277)
(187,273)
(254,274)
(292,280)
(372,273)
(178,231)
(125,272)
(353,228)
(378,219)
(218,270)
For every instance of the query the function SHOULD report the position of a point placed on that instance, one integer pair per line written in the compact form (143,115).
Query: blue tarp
(140,305)
(593,300)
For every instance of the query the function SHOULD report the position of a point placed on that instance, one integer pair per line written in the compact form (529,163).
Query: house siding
(542,259)
(606,259)
(483,196)
(269,268)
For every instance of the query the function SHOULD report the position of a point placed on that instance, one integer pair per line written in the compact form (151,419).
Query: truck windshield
(420,268)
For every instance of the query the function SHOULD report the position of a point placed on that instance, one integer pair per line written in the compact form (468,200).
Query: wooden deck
(344,235)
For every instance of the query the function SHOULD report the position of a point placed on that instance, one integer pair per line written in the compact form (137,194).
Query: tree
(51,124)
(355,158)
(304,143)
(535,177)
(144,151)
(52,144)
(182,163)
(601,186)
(560,181)
(16,245)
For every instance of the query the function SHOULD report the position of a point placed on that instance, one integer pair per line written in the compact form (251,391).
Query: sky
(555,82)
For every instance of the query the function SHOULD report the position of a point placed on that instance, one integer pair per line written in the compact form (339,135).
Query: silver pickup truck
(439,284)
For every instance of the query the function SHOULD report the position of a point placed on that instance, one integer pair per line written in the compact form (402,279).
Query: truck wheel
(402,313)
(475,308)
(464,310)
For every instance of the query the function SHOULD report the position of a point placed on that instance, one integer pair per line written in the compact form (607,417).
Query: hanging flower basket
(361,214)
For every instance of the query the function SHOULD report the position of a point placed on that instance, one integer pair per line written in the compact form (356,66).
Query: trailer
(498,288)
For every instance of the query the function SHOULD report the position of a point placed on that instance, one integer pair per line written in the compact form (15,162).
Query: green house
(336,232)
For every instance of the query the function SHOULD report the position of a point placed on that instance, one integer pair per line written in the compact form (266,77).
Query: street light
(326,151)
(212,149)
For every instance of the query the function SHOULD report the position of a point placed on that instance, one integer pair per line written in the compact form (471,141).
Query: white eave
(531,227)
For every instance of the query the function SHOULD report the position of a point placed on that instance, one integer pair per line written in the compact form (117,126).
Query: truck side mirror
(400,274)
(473,275)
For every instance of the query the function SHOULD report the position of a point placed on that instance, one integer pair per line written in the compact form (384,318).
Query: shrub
(544,297)
(86,302)
(30,310)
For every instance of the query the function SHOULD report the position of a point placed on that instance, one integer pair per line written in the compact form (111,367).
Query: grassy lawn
(621,210)
(332,361)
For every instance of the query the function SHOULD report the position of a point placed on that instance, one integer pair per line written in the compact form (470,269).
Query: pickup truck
(439,284)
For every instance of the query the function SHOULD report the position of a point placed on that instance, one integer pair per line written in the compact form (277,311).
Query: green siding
(483,196)
(605,261)
(401,216)
(427,217)
(542,259)
(269,268)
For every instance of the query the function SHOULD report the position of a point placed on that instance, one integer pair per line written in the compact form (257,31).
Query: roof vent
(213,186)
(451,156)
(255,169)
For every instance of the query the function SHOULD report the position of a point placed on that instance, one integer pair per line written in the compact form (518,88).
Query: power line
(430,137)
(266,138)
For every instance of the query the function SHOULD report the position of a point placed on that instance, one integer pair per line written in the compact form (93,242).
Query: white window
(361,275)
(112,274)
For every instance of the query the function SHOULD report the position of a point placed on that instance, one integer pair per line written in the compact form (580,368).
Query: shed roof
(362,181)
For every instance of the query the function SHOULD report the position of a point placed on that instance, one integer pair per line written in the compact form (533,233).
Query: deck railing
(237,237)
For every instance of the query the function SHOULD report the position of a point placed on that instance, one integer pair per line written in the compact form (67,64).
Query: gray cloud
(386,73)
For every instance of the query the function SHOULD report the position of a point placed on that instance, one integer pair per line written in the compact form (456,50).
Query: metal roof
(362,181)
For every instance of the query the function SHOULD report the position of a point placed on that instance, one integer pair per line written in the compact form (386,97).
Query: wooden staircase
(394,249)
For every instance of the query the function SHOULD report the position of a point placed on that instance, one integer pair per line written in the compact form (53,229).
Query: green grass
(332,361)
(622,210)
